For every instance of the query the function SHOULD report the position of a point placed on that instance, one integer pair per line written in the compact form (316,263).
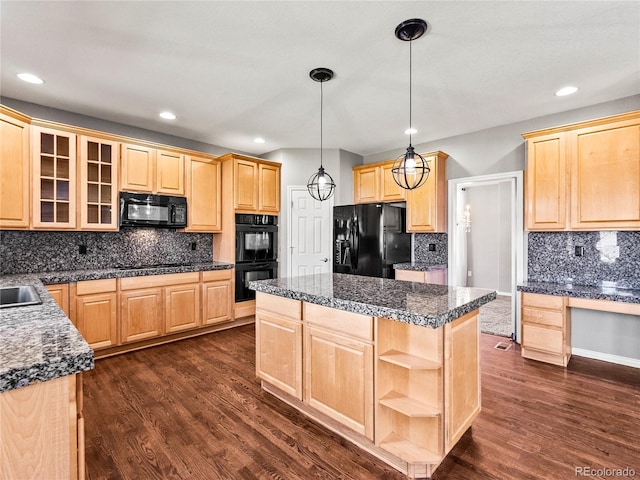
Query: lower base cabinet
(42,430)
(94,311)
(217,297)
(141,314)
(546,334)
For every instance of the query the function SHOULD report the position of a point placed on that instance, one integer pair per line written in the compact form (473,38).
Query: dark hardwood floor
(194,410)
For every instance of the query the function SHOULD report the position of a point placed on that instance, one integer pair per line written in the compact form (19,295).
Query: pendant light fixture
(320,185)
(410,170)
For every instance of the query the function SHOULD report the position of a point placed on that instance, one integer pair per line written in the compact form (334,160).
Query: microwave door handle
(172,213)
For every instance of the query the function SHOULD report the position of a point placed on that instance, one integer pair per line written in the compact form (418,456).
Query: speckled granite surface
(39,342)
(415,303)
(418,266)
(612,293)
(421,251)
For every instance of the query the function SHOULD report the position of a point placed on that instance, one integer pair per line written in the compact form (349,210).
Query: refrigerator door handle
(355,241)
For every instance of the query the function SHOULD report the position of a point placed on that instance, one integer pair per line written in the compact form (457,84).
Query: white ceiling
(235,70)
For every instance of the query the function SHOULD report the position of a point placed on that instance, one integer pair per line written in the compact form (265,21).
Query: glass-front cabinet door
(98,184)
(54,178)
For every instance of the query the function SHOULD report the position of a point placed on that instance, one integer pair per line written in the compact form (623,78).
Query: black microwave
(148,210)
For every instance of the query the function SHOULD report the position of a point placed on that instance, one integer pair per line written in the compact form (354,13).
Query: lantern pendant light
(410,170)
(321,185)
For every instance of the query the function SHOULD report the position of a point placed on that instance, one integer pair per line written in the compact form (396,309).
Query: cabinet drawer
(541,338)
(281,306)
(96,286)
(149,281)
(543,301)
(542,316)
(348,323)
(213,275)
(410,275)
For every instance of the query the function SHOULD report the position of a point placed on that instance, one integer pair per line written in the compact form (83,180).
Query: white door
(310,234)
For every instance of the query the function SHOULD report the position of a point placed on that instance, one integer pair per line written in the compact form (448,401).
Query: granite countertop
(39,342)
(409,302)
(602,292)
(419,266)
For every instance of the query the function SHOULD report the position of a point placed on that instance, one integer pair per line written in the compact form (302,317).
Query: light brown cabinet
(54,178)
(146,169)
(15,191)
(427,205)
(279,343)
(256,184)
(94,311)
(98,187)
(141,314)
(338,366)
(182,307)
(217,295)
(43,430)
(584,176)
(60,294)
(375,183)
(204,194)
(546,328)
(438,276)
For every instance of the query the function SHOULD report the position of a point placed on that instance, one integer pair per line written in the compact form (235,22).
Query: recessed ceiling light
(564,91)
(30,78)
(259,140)
(410,131)
(168,115)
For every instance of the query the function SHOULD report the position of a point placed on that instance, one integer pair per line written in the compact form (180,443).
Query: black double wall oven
(256,252)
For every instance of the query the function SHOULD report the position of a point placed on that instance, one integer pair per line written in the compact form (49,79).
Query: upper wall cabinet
(427,205)
(256,184)
(54,178)
(14,169)
(585,176)
(98,189)
(145,169)
(374,183)
(204,194)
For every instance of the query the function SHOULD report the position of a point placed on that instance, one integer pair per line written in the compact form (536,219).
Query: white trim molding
(606,357)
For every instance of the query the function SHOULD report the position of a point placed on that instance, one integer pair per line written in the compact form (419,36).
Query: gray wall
(75,119)
(489,241)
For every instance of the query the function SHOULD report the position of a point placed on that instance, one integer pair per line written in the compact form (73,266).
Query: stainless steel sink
(18,296)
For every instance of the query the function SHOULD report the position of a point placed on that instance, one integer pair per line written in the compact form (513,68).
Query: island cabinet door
(338,366)
(279,342)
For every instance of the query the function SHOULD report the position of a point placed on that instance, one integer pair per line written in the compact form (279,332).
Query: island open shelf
(404,392)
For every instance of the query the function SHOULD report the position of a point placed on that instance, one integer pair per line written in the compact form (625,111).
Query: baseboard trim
(504,294)
(606,357)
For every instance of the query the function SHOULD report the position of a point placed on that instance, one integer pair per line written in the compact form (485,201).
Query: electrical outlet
(193,245)
(82,249)
(469,274)
(579,251)
(432,247)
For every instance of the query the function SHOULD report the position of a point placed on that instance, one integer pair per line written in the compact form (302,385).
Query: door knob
(325,259)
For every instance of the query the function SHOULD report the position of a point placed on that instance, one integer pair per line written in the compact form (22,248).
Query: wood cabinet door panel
(410,275)
(269,188)
(279,352)
(542,338)
(546,182)
(427,205)
(216,302)
(204,194)
(169,172)
(246,185)
(14,173)
(97,319)
(60,294)
(390,191)
(182,307)
(141,314)
(338,378)
(366,185)
(137,168)
(543,317)
(606,178)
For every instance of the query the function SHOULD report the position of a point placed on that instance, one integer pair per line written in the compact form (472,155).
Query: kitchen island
(392,366)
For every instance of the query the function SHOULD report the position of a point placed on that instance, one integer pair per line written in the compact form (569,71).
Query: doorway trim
(518,239)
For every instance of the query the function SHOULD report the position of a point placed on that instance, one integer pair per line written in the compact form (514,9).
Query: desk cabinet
(546,329)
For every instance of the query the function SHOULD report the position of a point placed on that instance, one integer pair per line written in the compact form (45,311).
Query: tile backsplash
(606,257)
(421,251)
(29,251)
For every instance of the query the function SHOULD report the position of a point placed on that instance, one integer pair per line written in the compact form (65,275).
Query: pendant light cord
(321,102)
(410,76)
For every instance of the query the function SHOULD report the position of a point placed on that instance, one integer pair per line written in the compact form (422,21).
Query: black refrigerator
(369,238)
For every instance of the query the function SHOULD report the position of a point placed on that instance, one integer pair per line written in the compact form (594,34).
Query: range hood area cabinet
(584,176)
(63,177)
(426,205)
